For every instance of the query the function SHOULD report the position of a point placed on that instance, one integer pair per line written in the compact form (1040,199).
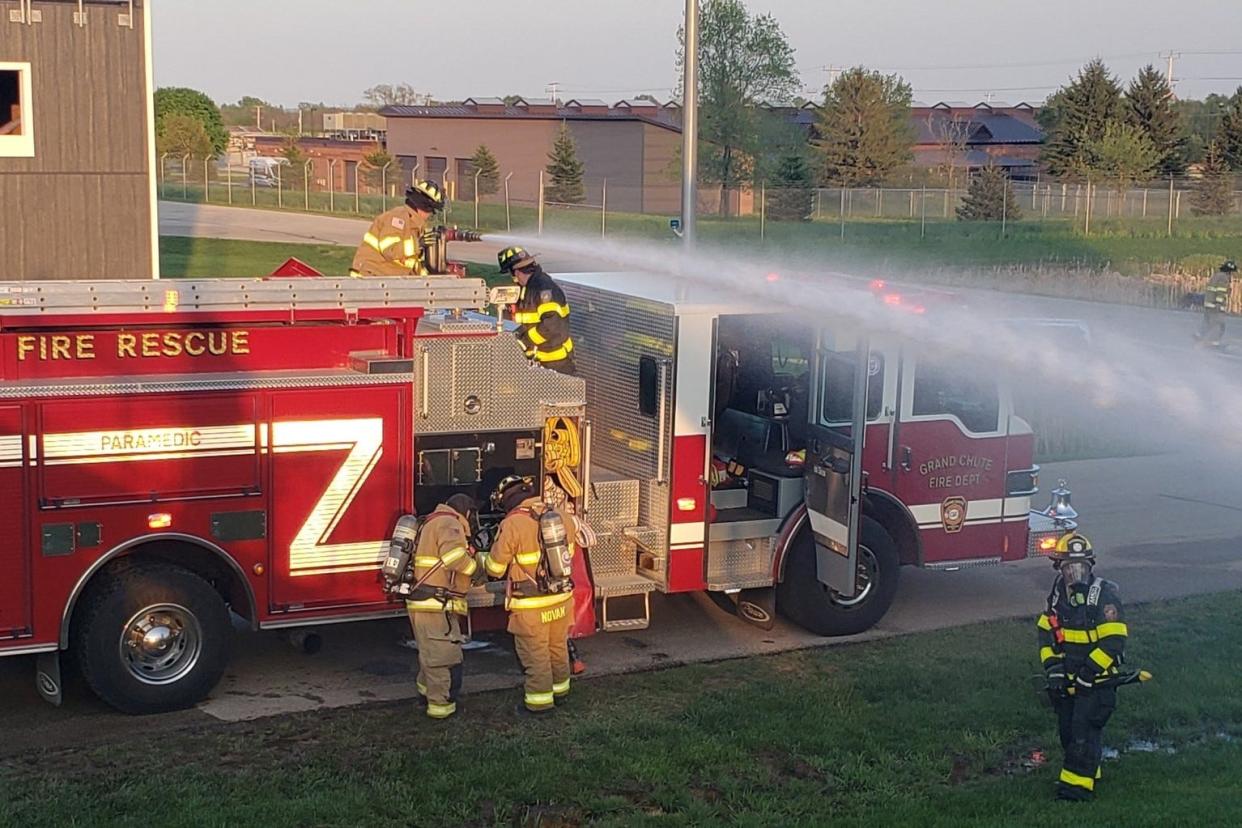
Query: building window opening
(16,129)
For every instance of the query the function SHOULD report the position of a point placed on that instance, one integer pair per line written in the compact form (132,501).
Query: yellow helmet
(1073,546)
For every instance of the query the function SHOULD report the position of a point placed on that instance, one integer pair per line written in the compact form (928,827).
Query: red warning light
(892,298)
(773,277)
(877,284)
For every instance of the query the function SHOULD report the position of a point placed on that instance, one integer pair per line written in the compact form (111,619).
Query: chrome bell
(1060,509)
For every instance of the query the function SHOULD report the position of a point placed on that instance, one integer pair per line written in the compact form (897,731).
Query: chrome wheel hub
(161,643)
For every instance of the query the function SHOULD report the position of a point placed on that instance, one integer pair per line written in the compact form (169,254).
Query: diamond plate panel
(611,331)
(513,393)
(614,505)
(731,562)
(613,555)
(653,511)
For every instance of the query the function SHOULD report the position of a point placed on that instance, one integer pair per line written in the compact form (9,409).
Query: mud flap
(47,677)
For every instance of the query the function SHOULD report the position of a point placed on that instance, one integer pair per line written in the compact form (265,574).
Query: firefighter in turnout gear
(443,564)
(1216,305)
(1082,638)
(539,597)
(542,314)
(394,244)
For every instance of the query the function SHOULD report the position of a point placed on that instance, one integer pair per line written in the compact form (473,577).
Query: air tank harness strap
(562,453)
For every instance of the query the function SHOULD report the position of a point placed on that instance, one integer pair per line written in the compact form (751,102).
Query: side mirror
(504,295)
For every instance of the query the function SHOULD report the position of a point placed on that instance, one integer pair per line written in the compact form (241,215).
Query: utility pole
(1169,56)
(258,118)
(552,88)
(690,125)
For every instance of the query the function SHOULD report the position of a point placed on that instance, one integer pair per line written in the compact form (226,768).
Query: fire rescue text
(48,347)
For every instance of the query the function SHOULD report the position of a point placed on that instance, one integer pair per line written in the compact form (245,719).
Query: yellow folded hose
(562,453)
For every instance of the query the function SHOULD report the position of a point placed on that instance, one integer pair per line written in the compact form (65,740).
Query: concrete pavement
(1165,526)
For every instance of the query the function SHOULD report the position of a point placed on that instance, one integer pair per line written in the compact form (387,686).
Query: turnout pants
(1080,720)
(439,639)
(1212,329)
(541,638)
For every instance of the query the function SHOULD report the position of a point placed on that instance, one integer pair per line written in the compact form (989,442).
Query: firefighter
(540,605)
(443,564)
(541,313)
(1216,304)
(1082,637)
(393,246)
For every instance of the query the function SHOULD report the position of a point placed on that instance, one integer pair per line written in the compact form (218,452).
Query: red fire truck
(727,457)
(171,453)
(174,455)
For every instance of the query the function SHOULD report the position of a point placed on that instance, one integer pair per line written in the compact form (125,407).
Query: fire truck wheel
(803,599)
(152,638)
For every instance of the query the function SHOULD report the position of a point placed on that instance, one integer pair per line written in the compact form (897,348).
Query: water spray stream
(1151,391)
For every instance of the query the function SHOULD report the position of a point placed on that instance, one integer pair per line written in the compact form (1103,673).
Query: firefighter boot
(576,665)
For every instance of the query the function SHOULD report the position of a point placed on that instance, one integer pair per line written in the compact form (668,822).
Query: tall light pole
(690,124)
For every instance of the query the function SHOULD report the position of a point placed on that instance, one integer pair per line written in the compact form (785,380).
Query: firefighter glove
(1058,681)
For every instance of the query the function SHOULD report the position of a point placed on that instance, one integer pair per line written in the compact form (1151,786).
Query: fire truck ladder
(23,303)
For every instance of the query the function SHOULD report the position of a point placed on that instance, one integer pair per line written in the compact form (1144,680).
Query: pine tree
(864,127)
(1149,106)
(1213,195)
(989,197)
(380,169)
(487,169)
(293,172)
(1078,115)
(565,170)
(789,194)
(1229,138)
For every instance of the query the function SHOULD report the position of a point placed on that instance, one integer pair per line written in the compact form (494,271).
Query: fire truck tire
(152,638)
(803,599)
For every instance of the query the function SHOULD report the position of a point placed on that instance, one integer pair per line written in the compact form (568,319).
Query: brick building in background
(333,160)
(631,144)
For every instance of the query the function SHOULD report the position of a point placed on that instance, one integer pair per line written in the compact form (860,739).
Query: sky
(287,51)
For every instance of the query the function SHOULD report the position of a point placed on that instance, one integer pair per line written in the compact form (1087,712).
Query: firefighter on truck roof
(393,245)
(443,564)
(535,556)
(1082,637)
(541,313)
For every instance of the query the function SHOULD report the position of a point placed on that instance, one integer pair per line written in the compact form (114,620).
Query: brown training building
(77,135)
(631,144)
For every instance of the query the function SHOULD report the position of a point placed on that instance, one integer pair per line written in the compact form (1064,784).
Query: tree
(176,100)
(1213,195)
(180,135)
(1077,116)
(488,170)
(510,100)
(565,170)
(1229,137)
(1122,155)
(380,168)
(1149,106)
(790,194)
(950,133)
(293,171)
(864,127)
(1202,119)
(401,94)
(989,198)
(743,61)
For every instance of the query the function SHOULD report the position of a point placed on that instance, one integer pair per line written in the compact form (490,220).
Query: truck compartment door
(834,462)
(14,557)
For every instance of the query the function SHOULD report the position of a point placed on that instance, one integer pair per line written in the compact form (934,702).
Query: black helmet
(512,491)
(1230,266)
(423,195)
(513,257)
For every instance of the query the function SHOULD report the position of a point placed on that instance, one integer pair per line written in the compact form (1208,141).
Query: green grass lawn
(929,729)
(1131,245)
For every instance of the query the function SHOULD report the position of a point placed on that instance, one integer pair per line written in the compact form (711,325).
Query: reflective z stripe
(310,553)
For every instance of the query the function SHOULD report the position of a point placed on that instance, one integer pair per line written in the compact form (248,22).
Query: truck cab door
(834,472)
